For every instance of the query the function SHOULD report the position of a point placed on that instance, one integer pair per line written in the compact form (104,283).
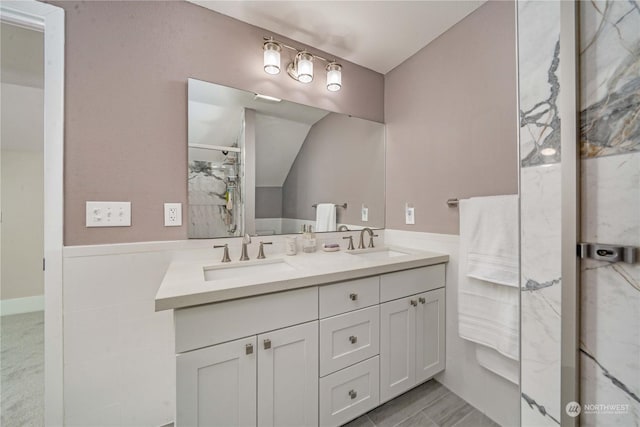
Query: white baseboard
(21,305)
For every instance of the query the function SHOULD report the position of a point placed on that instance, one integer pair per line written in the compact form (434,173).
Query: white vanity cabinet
(412,329)
(269,378)
(317,355)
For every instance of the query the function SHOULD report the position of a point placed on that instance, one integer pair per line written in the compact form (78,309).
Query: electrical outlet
(108,214)
(172,214)
(409,215)
(365,213)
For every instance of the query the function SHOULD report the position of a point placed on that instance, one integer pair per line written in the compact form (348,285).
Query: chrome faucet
(225,255)
(371,236)
(261,249)
(245,241)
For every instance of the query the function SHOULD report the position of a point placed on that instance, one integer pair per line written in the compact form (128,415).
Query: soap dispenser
(308,240)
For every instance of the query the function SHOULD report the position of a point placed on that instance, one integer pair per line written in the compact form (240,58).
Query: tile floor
(428,405)
(22,386)
(22,370)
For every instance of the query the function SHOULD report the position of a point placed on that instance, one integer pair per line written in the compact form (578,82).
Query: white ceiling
(379,35)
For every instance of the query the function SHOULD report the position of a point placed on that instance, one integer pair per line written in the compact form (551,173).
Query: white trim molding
(21,305)
(50,19)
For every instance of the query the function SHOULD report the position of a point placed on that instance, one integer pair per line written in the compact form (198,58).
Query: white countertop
(184,283)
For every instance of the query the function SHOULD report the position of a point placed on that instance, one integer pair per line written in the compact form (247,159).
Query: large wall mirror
(262,166)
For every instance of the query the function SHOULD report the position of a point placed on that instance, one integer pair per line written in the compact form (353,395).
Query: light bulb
(305,67)
(334,77)
(271,57)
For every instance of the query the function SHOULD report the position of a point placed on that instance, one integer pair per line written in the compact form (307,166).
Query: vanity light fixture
(301,67)
(548,151)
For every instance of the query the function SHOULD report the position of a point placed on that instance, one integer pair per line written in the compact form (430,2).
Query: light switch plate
(365,213)
(410,215)
(172,214)
(108,214)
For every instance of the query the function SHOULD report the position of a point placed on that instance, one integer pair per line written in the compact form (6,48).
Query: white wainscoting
(119,360)
(491,394)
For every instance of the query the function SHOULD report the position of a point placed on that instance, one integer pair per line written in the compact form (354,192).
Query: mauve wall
(341,161)
(268,202)
(451,121)
(126,69)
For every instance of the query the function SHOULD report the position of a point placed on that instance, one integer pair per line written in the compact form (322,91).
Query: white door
(216,386)
(288,376)
(430,332)
(397,347)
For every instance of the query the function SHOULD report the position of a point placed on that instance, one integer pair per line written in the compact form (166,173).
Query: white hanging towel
(488,313)
(326,217)
(492,232)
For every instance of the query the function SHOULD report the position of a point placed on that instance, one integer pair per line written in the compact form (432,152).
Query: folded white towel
(493,238)
(488,313)
(500,365)
(326,217)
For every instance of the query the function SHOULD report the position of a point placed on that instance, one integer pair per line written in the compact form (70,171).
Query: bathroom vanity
(314,339)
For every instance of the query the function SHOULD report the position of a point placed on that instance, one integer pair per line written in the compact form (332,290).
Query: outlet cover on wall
(365,213)
(172,214)
(108,214)
(409,214)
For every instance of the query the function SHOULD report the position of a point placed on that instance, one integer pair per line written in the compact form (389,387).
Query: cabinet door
(397,347)
(430,330)
(216,386)
(288,376)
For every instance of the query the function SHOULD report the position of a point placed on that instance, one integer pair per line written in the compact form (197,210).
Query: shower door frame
(569,99)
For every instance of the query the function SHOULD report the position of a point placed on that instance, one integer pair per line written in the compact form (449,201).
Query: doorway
(32,205)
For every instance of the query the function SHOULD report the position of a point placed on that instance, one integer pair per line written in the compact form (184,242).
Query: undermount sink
(377,254)
(243,270)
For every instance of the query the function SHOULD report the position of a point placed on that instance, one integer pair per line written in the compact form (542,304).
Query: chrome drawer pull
(353,339)
(267,344)
(353,394)
(422,300)
(248,349)
(413,302)
(353,297)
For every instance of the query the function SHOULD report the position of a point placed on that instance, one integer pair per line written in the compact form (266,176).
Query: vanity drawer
(349,338)
(410,282)
(349,393)
(348,296)
(205,325)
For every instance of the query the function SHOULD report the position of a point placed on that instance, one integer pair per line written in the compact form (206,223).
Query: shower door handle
(609,253)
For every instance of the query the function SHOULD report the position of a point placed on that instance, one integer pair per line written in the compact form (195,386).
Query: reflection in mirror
(261,166)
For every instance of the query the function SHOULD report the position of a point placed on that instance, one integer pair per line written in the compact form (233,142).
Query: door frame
(49,19)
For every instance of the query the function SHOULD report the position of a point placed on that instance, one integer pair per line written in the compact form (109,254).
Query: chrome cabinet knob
(413,302)
(248,349)
(353,339)
(267,344)
(353,394)
(422,300)
(353,297)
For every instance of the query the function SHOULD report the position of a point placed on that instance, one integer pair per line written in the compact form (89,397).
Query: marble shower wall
(540,168)
(610,193)
(610,146)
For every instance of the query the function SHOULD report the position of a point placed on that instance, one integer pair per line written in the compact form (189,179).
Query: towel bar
(344,206)
(452,203)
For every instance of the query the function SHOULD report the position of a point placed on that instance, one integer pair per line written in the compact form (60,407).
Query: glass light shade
(305,67)
(271,58)
(334,77)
